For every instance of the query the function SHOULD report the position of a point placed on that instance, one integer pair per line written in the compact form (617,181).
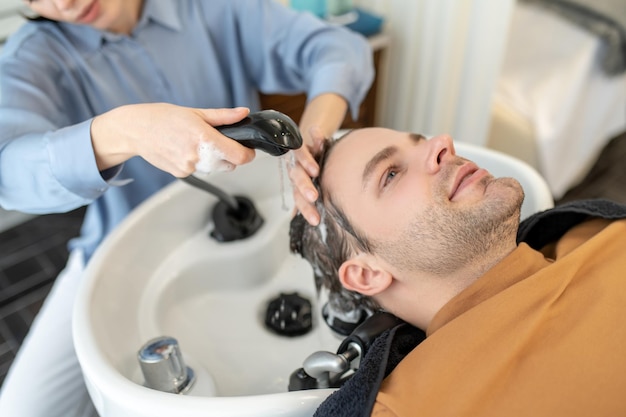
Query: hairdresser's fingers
(224,116)
(229,150)
(301,181)
(316,140)
(304,193)
(313,144)
(304,159)
(226,148)
(307,209)
(211,161)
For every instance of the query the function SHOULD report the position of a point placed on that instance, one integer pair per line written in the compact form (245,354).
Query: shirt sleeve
(47,163)
(299,52)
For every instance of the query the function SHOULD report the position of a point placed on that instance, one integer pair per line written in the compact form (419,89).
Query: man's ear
(363,275)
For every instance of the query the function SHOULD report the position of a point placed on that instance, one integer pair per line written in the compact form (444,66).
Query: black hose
(217,192)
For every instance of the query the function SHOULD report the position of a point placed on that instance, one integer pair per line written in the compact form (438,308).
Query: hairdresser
(104,102)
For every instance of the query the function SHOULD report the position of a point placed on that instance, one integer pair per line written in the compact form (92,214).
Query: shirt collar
(161,12)
(517,266)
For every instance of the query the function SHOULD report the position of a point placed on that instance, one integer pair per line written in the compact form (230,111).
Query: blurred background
(529,78)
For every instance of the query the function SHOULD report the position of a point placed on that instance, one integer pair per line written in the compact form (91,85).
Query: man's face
(423,207)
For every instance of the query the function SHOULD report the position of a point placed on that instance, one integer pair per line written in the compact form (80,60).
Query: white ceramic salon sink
(159,273)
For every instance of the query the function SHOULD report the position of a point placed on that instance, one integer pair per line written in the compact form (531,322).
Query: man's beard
(445,238)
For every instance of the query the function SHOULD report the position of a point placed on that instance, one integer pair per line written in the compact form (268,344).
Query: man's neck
(431,293)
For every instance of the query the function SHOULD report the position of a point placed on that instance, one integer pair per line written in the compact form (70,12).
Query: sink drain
(289,315)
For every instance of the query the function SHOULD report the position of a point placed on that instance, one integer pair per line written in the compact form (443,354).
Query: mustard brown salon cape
(512,344)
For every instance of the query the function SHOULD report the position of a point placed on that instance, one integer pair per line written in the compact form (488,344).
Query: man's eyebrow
(377,159)
(417,137)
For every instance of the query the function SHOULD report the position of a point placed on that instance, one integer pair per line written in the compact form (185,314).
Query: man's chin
(509,188)
(505,196)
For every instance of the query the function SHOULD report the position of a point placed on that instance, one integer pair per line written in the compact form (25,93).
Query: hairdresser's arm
(165,135)
(332,64)
(321,119)
(46,158)
(52,161)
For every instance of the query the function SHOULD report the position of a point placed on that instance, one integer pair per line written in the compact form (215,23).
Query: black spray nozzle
(267,130)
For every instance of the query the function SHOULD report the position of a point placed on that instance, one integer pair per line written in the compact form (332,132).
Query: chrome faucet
(324,369)
(328,368)
(163,367)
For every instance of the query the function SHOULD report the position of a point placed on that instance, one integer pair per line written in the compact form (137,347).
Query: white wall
(444,58)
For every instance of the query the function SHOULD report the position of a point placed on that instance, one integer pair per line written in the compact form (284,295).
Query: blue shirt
(55,77)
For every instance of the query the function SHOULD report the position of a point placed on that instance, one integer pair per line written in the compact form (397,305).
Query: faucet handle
(163,367)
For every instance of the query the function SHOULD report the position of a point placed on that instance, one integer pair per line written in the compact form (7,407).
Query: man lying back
(513,328)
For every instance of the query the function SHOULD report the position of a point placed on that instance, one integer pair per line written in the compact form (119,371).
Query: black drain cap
(289,315)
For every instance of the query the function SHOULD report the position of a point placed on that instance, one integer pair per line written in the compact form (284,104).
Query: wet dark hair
(327,246)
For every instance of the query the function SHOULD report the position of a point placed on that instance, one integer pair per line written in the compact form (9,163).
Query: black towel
(358,395)
(542,228)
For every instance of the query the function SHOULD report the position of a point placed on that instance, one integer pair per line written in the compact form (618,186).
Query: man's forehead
(351,154)
(354,148)
(359,145)
(364,139)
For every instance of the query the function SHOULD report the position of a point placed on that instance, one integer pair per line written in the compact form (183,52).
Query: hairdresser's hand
(302,169)
(167,136)
(321,118)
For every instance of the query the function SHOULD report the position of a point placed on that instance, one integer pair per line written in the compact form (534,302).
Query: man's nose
(441,148)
